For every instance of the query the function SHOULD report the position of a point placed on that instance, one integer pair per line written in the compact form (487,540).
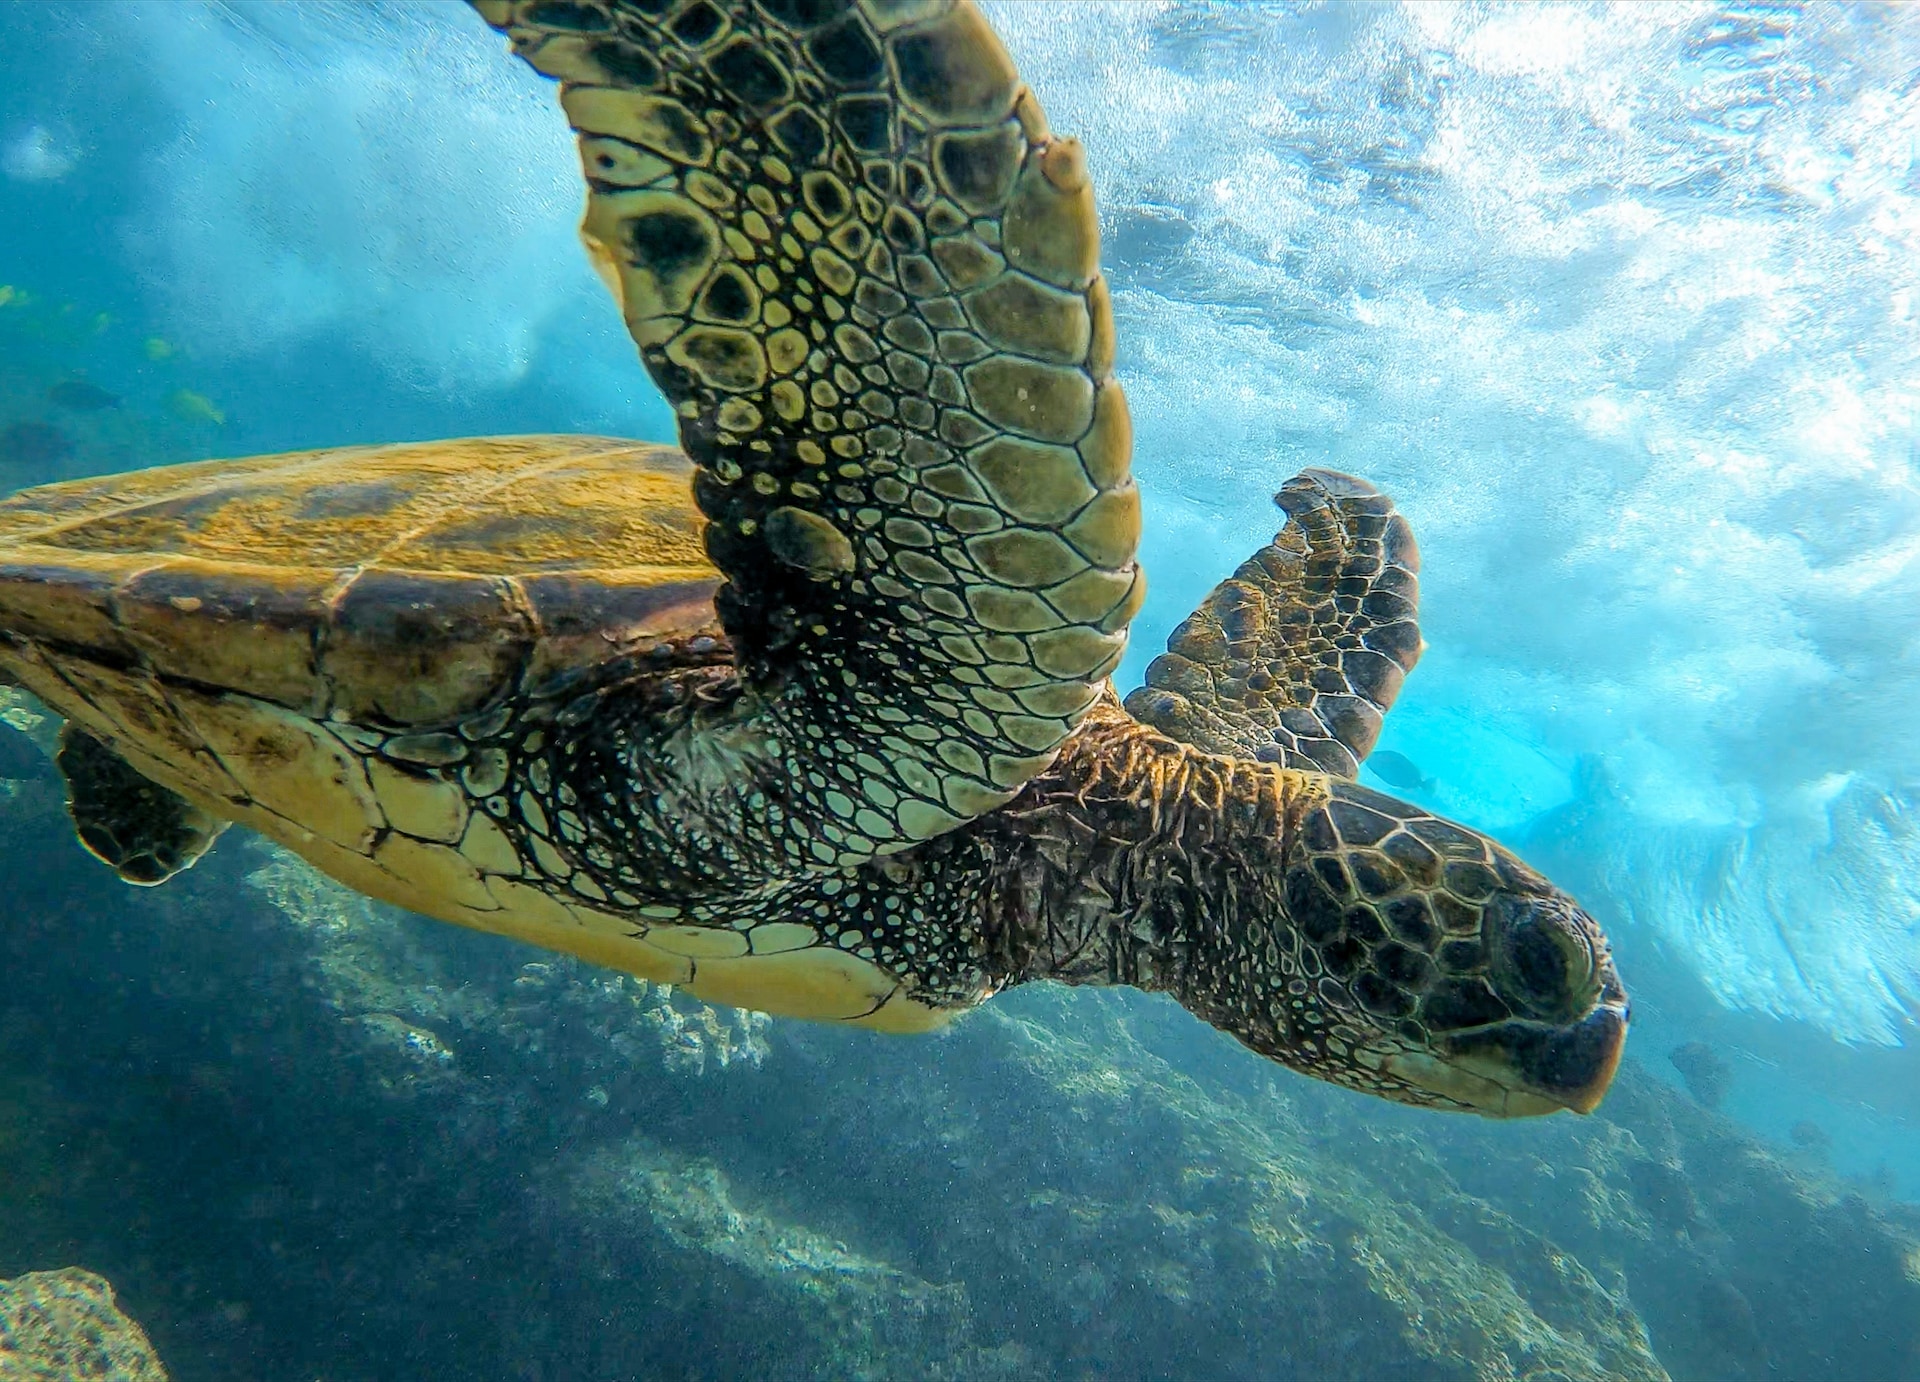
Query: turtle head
(1428,965)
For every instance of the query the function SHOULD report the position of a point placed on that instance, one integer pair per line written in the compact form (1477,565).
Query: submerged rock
(813,1297)
(1704,1070)
(476,1152)
(64,1326)
(398,994)
(20,757)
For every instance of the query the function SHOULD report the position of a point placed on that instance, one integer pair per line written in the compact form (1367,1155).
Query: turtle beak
(1581,1062)
(1540,1068)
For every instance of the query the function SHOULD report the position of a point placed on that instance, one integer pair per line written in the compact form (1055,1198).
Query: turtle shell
(390,585)
(328,647)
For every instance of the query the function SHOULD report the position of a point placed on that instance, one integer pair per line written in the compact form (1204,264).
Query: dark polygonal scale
(864,271)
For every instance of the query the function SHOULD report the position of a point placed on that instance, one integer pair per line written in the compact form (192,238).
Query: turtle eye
(1543,957)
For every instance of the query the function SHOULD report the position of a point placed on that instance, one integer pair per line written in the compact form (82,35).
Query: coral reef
(35,736)
(813,1296)
(65,1327)
(293,1122)
(397,993)
(1161,1227)
(29,739)
(25,715)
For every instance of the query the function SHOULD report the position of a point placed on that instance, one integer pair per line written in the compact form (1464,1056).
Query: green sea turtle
(814,717)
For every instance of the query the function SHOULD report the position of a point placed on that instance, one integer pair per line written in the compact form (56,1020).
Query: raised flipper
(1296,657)
(865,274)
(141,830)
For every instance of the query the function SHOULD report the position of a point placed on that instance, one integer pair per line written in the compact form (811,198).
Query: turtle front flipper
(865,275)
(1297,657)
(144,832)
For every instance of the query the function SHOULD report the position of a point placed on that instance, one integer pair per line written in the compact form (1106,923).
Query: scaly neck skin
(1133,859)
(1138,860)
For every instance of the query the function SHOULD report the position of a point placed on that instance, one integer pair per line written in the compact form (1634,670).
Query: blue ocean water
(1619,302)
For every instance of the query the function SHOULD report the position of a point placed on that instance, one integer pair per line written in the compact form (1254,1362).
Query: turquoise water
(1618,302)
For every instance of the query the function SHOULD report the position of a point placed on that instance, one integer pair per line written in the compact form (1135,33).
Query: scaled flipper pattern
(865,275)
(1297,657)
(141,830)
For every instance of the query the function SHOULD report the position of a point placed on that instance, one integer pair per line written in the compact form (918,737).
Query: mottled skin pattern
(1296,657)
(865,273)
(838,743)
(1351,936)
(144,832)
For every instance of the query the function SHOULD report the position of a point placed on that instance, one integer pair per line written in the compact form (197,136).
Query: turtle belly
(418,838)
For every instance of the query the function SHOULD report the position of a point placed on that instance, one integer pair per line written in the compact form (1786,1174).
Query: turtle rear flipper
(145,832)
(1297,657)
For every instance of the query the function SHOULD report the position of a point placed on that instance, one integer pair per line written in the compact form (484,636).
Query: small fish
(196,407)
(159,348)
(1398,770)
(7,294)
(81,396)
